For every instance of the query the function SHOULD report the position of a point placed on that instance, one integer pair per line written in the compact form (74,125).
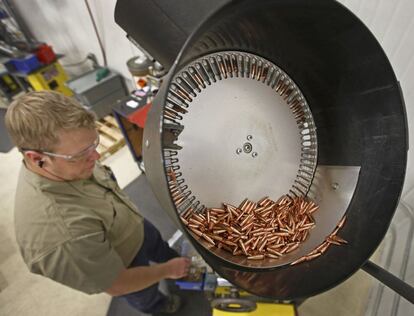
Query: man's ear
(33,156)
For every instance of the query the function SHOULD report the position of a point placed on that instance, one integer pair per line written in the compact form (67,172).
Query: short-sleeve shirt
(79,233)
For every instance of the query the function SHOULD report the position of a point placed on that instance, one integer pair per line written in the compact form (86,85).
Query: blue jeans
(154,248)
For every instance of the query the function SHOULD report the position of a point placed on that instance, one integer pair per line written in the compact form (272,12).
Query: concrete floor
(23,293)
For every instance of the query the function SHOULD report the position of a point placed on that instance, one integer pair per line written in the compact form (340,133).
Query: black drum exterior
(358,109)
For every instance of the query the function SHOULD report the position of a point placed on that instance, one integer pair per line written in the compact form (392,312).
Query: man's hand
(138,278)
(177,268)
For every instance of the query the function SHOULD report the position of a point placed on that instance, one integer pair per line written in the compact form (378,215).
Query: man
(73,223)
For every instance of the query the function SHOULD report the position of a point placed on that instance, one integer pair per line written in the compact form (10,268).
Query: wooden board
(111,138)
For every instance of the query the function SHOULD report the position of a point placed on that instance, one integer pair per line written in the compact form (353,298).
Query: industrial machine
(99,89)
(274,97)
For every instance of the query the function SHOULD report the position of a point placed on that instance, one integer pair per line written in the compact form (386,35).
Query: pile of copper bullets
(265,229)
(255,230)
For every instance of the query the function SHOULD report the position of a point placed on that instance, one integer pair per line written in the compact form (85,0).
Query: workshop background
(67,27)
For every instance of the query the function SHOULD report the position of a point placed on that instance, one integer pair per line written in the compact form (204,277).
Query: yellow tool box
(51,77)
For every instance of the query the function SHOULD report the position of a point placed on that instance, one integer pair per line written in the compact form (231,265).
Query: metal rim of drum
(204,73)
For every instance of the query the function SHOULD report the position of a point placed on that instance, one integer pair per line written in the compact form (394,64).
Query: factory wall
(66,25)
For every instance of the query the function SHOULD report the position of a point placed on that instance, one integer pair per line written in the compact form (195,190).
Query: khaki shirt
(78,233)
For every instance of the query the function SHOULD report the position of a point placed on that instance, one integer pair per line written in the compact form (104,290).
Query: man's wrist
(164,270)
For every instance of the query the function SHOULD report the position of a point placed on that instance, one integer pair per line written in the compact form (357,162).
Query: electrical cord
(97,33)
(77,63)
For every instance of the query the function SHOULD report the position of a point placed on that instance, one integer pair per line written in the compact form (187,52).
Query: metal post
(390,280)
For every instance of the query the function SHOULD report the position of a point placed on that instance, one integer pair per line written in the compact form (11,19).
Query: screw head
(335,186)
(239,151)
(249,137)
(247,147)
(254,154)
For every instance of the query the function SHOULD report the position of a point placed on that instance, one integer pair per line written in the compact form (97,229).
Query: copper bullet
(243,204)
(257,257)
(249,241)
(211,241)
(323,247)
(266,202)
(282,234)
(272,256)
(240,215)
(304,235)
(229,243)
(235,230)
(184,220)
(342,222)
(194,221)
(199,218)
(262,200)
(228,205)
(310,257)
(215,237)
(246,227)
(236,239)
(251,216)
(251,206)
(292,248)
(301,259)
(218,210)
(196,231)
(256,242)
(243,247)
(313,209)
(223,217)
(261,233)
(284,249)
(233,211)
(187,212)
(332,241)
(271,250)
(257,230)
(264,215)
(273,238)
(339,239)
(179,201)
(259,209)
(263,244)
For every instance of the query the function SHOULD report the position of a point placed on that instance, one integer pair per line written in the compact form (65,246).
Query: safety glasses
(85,153)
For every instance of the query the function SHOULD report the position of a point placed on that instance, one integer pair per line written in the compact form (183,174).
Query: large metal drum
(267,98)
